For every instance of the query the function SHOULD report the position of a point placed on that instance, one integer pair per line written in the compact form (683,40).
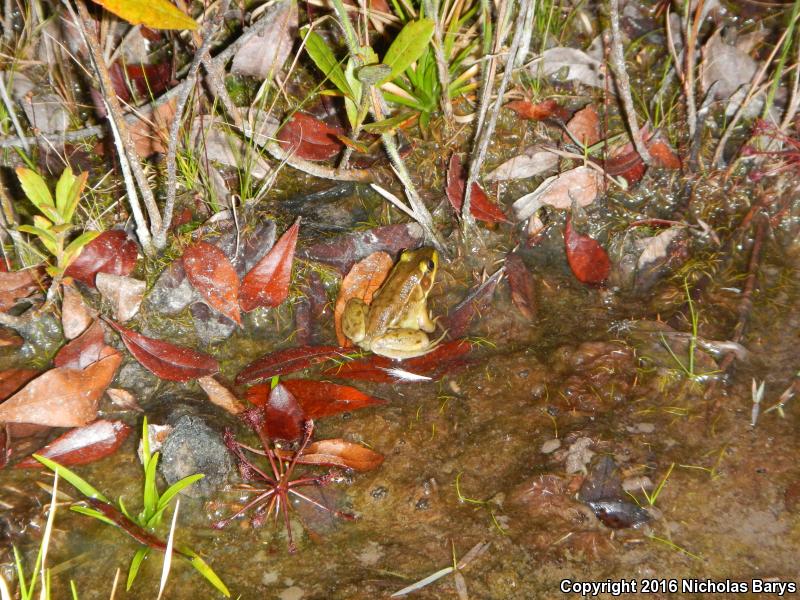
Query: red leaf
(318,398)
(629,165)
(539,111)
(309,138)
(284,415)
(585,126)
(287,361)
(110,252)
(83,350)
(587,259)
(341,453)
(144,79)
(267,283)
(663,155)
(523,291)
(167,361)
(481,207)
(212,274)
(82,445)
(460,318)
(62,397)
(435,364)
(12,380)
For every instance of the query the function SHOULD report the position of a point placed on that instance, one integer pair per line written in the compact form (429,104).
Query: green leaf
(133,570)
(35,188)
(206,571)
(83,486)
(75,247)
(350,105)
(63,188)
(408,46)
(150,494)
(74,197)
(387,124)
(156,14)
(176,488)
(326,62)
(48,239)
(95,514)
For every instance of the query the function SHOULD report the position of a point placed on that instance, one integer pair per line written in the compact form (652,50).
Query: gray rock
(172,291)
(194,447)
(140,382)
(210,325)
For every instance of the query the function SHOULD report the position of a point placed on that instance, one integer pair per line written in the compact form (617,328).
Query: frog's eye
(430,264)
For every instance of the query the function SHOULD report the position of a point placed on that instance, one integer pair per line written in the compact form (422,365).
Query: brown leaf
(75,316)
(83,350)
(317,398)
(523,290)
(124,293)
(149,132)
(167,361)
(580,185)
(123,399)
(267,283)
(212,274)
(480,207)
(549,109)
(663,154)
(62,397)
(110,252)
(82,446)
(362,282)
(13,379)
(16,285)
(341,453)
(284,415)
(220,395)
(585,126)
(309,138)
(286,361)
(263,54)
(587,259)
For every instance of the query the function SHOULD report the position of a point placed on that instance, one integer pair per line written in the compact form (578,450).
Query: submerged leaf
(481,207)
(587,259)
(341,453)
(317,398)
(267,283)
(287,361)
(523,290)
(476,301)
(284,416)
(212,274)
(167,361)
(82,445)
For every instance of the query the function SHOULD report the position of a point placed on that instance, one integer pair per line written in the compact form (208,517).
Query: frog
(397,322)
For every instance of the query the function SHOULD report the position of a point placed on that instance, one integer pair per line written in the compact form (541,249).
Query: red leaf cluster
(480,206)
(309,138)
(110,252)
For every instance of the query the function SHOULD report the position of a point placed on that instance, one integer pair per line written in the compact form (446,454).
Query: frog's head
(424,262)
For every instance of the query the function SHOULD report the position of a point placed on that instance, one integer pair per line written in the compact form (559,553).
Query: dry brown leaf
(149,134)
(220,395)
(62,397)
(263,54)
(124,293)
(585,126)
(362,281)
(579,185)
(75,316)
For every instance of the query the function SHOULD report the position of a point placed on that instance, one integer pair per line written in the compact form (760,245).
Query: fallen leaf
(569,64)
(283,415)
(523,289)
(213,140)
(82,446)
(548,109)
(62,397)
(167,361)
(287,361)
(16,285)
(156,14)
(124,293)
(630,166)
(262,54)
(145,80)
(580,185)
(150,130)
(341,453)
(75,316)
(11,380)
(585,126)
(587,259)
(663,155)
(213,275)
(267,284)
(111,252)
(309,138)
(84,350)
(363,280)
(318,399)
(481,207)
(532,163)
(220,395)
(344,251)
(123,399)
(476,302)
(727,66)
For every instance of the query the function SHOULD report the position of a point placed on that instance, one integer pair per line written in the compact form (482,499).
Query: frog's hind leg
(401,344)
(354,320)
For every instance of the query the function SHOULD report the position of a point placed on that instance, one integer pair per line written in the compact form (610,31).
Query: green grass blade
(206,571)
(150,493)
(136,563)
(83,486)
(176,488)
(95,514)
(326,62)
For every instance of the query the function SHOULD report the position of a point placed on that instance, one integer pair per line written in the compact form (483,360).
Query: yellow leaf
(156,14)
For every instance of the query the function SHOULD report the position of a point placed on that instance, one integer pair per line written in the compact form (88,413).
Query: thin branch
(10,110)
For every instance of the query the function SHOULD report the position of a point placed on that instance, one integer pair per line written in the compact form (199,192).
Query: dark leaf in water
(344,251)
(110,252)
(12,380)
(82,445)
(603,481)
(549,109)
(286,361)
(284,415)
(587,259)
(481,207)
(267,284)
(341,453)
(619,514)
(213,275)
(16,285)
(309,138)
(83,350)
(62,397)
(167,361)
(317,398)
(523,290)
(478,299)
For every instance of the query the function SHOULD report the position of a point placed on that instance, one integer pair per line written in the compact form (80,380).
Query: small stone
(637,483)
(641,428)
(579,455)
(551,446)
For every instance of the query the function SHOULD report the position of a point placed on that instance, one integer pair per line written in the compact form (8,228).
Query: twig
(10,110)
(624,84)
(314,169)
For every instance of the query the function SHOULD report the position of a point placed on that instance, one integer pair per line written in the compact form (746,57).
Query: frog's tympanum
(397,322)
